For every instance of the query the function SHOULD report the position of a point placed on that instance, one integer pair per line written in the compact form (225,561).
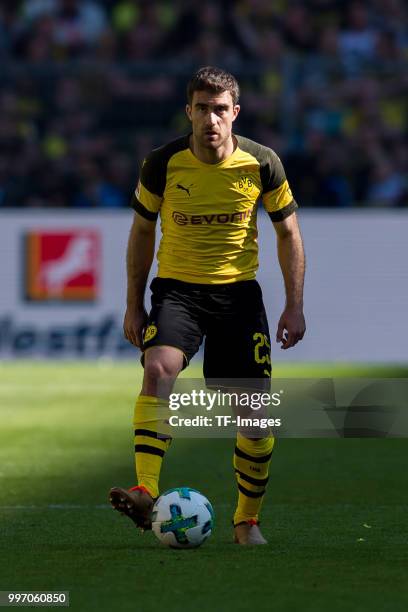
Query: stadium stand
(87,88)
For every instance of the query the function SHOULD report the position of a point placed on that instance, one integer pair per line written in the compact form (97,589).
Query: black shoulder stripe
(280,215)
(271,170)
(139,208)
(153,172)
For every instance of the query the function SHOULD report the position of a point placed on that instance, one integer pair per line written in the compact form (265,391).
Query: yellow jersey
(208,211)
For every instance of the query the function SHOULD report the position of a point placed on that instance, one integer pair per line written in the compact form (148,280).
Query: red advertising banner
(62,265)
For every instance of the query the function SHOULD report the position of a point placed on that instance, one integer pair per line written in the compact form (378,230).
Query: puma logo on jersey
(187,189)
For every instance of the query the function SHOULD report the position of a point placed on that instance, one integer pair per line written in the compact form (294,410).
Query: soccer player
(206,187)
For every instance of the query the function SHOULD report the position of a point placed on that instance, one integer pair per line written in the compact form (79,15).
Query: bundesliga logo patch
(62,265)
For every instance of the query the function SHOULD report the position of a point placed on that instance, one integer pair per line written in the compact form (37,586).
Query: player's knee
(159,370)
(156,369)
(160,366)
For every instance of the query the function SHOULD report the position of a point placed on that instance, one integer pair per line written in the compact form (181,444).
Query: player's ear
(188,111)
(235,111)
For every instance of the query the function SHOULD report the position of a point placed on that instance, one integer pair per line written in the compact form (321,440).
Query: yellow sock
(152,439)
(251,463)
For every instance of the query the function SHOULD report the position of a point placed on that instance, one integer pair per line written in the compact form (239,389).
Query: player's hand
(291,327)
(134,322)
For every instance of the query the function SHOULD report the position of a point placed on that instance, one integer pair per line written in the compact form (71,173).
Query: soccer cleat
(248,534)
(136,503)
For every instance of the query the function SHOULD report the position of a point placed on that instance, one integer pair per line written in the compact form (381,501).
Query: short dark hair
(214,80)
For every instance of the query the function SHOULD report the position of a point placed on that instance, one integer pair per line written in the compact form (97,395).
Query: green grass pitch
(335,513)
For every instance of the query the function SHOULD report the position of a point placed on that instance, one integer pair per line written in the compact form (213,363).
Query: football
(182,518)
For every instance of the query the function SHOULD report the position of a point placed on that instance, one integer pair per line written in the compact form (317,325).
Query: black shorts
(231,318)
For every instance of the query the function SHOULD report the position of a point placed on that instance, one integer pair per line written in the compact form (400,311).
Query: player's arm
(146,202)
(291,326)
(281,206)
(139,258)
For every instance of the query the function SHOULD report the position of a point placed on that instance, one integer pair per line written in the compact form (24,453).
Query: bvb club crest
(150,333)
(244,184)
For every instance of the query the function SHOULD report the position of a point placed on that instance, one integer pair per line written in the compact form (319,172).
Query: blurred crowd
(88,87)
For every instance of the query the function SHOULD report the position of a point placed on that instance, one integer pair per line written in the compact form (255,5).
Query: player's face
(212,116)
